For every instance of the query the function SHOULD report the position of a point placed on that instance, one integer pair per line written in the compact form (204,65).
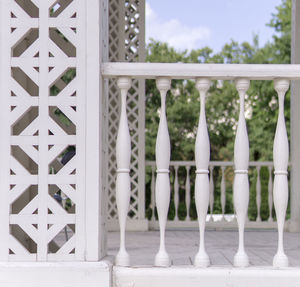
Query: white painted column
(162,187)
(123,154)
(294,224)
(270,194)
(281,158)
(176,192)
(202,154)
(95,173)
(187,193)
(223,192)
(258,194)
(241,183)
(211,192)
(5,129)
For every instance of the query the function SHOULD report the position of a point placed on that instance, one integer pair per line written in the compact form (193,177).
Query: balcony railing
(203,74)
(182,211)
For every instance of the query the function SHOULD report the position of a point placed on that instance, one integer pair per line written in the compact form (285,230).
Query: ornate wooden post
(162,187)
(123,154)
(202,154)
(241,183)
(281,158)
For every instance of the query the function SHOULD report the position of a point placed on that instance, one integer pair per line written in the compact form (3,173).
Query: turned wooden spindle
(280,158)
(162,186)
(202,155)
(123,154)
(241,182)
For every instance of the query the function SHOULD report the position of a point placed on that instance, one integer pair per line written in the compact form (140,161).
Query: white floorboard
(220,245)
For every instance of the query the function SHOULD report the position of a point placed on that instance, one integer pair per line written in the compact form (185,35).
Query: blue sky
(192,24)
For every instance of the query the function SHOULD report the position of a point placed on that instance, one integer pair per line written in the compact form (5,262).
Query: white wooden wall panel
(57,51)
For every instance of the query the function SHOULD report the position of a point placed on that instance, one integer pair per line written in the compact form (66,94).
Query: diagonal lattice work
(46,126)
(126,43)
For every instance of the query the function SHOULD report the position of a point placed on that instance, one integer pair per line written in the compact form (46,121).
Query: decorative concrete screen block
(126,43)
(43,129)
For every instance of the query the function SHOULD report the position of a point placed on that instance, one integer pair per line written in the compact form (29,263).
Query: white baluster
(187,193)
(258,194)
(270,194)
(280,157)
(162,186)
(223,192)
(153,192)
(176,192)
(123,154)
(202,154)
(241,182)
(211,192)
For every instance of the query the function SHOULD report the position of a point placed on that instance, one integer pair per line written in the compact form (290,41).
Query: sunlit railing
(203,73)
(182,211)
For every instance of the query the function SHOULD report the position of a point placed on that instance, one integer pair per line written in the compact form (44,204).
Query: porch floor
(220,245)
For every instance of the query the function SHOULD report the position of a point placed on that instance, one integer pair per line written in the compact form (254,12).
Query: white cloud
(175,33)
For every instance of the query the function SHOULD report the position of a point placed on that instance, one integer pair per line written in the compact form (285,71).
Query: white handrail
(212,71)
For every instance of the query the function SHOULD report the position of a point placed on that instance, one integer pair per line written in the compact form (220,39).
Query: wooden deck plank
(221,246)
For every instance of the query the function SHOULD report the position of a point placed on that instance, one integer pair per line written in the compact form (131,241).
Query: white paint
(214,276)
(212,71)
(95,193)
(294,224)
(60,274)
(202,155)
(212,221)
(162,186)
(241,184)
(123,155)
(5,130)
(281,158)
(122,46)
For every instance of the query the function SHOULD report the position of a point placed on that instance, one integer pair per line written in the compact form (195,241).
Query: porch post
(96,213)
(294,225)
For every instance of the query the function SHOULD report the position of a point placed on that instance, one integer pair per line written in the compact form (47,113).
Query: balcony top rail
(212,71)
(212,163)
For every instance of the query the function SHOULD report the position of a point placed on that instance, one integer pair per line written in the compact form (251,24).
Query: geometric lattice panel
(47,126)
(126,43)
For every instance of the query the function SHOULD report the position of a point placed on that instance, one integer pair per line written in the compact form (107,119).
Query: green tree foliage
(222,107)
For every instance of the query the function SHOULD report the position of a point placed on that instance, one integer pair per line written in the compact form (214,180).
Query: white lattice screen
(126,43)
(43,129)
